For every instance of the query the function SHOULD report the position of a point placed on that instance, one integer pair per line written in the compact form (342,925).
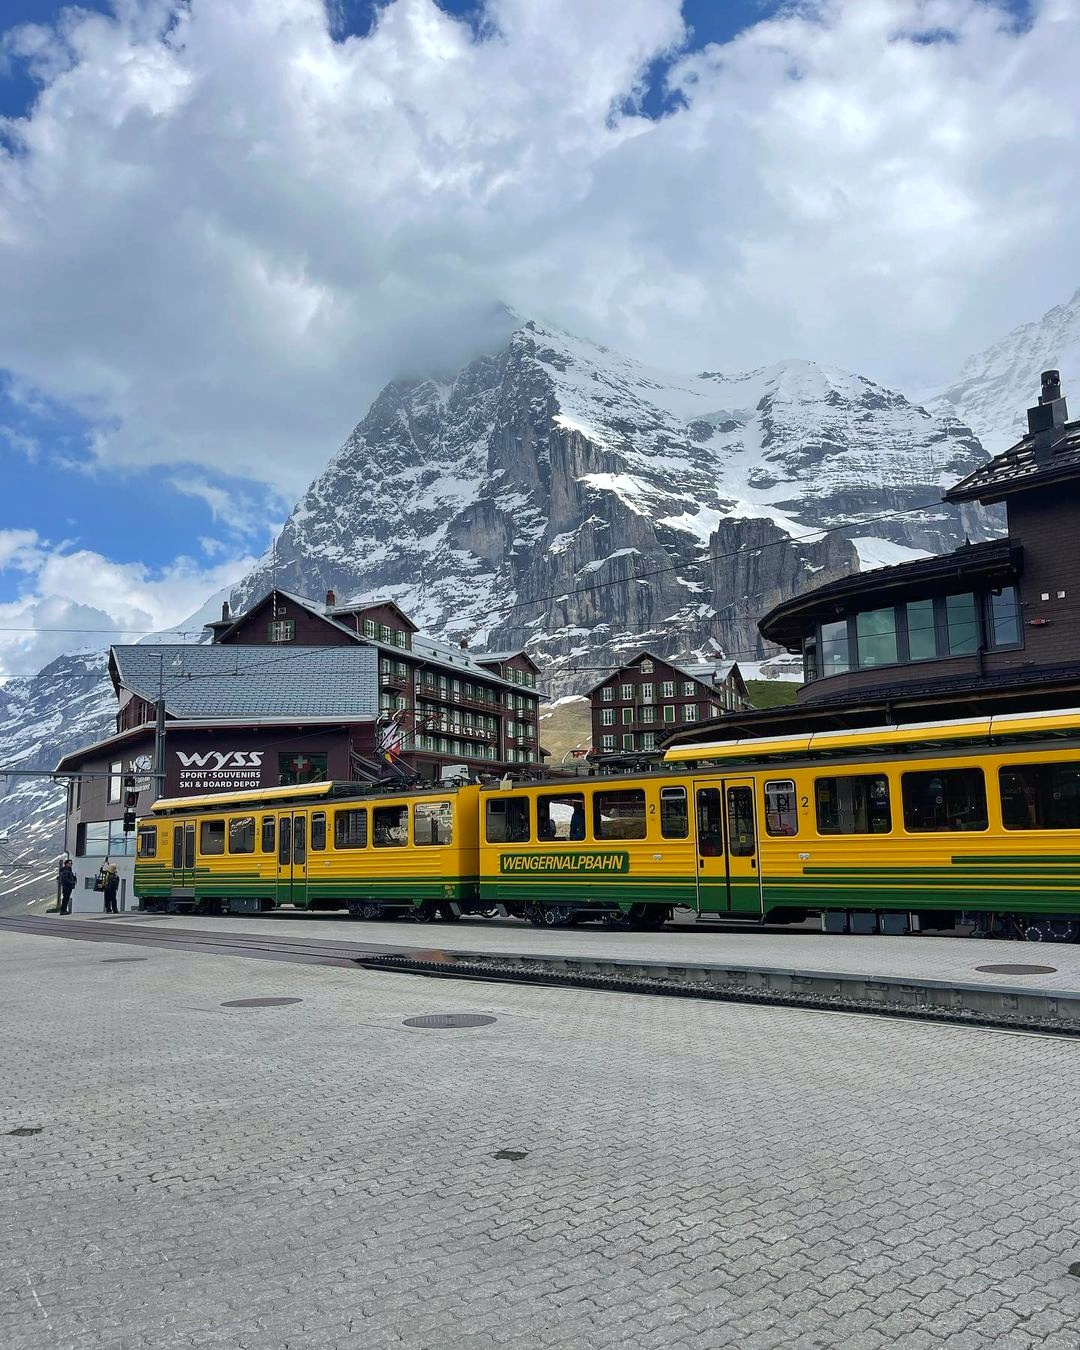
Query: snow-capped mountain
(558,495)
(994,387)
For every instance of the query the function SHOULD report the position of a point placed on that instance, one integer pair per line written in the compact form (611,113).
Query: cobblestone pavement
(935,958)
(693,1175)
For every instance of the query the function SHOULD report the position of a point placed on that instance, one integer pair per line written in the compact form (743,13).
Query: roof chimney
(224,611)
(331,599)
(464,644)
(1046,421)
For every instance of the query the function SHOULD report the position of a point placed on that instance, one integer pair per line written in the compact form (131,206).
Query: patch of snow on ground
(874,552)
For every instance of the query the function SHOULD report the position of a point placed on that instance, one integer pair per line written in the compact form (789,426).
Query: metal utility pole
(159,727)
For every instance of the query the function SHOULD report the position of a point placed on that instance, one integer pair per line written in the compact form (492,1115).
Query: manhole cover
(24,1130)
(260,1002)
(447,1021)
(1018,970)
(115,960)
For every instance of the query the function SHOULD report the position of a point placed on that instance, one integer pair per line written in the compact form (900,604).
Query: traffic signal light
(131,806)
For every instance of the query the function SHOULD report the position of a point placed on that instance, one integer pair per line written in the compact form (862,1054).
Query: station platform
(1026,983)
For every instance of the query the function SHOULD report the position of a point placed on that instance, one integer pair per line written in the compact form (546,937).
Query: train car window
(853,804)
(242,834)
(433,823)
(318,831)
(620,814)
(507,820)
(561,816)
(178,848)
(350,829)
(944,799)
(299,839)
(674,813)
(285,840)
(781,813)
(390,826)
(710,822)
(147,841)
(742,838)
(268,831)
(212,836)
(1040,797)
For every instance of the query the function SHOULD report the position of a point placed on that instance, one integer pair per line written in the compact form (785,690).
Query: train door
(183,860)
(727,847)
(292,864)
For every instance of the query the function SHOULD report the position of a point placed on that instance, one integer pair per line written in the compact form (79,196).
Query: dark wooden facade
(649,696)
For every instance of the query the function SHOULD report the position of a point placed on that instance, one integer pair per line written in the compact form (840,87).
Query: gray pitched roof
(248,682)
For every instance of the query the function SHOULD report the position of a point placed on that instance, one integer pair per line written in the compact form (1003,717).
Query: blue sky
(204,294)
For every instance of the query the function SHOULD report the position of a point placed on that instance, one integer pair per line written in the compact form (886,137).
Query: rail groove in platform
(959,1002)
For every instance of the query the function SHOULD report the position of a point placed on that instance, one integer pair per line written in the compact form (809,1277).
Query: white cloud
(221,230)
(237,511)
(77,600)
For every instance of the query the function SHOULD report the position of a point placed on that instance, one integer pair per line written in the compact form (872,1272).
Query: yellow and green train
(899,829)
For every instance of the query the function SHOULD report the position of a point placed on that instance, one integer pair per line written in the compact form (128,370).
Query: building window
(619,815)
(689,688)
(668,689)
(921,630)
(390,826)
(211,837)
(648,740)
(835,656)
(626,691)
(370,629)
(875,635)
(1040,797)
(648,713)
(628,740)
(781,816)
(298,767)
(674,813)
(433,823)
(646,667)
(561,817)
(944,799)
(116,781)
(854,804)
(690,712)
(242,834)
(809,659)
(607,717)
(105,839)
(669,712)
(646,693)
(962,622)
(607,742)
(1003,615)
(281,630)
(627,717)
(607,693)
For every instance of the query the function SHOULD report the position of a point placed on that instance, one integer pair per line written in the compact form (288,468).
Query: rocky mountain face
(994,387)
(69,703)
(558,496)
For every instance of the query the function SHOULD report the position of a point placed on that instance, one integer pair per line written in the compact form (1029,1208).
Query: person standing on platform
(67,885)
(112,885)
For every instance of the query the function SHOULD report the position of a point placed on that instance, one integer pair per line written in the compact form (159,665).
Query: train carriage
(319,846)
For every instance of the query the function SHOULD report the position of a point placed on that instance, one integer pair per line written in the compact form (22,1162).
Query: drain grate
(24,1130)
(511,1154)
(115,960)
(260,1002)
(1018,970)
(449,1021)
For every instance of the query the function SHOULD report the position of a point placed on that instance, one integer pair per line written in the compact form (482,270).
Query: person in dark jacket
(67,885)
(112,886)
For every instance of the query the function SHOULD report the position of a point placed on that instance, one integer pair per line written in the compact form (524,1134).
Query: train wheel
(620,919)
(534,914)
(557,916)
(1052,930)
(424,913)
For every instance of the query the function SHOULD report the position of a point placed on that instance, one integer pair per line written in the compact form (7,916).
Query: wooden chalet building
(988,627)
(650,695)
(292,691)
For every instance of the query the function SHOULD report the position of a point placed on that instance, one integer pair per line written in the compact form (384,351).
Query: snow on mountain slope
(558,495)
(994,387)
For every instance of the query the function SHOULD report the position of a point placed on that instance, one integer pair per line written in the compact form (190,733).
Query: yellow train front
(320,846)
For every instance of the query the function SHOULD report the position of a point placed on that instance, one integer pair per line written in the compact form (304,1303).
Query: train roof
(306,794)
(905,735)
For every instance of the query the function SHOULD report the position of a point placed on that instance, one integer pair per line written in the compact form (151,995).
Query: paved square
(316,1175)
